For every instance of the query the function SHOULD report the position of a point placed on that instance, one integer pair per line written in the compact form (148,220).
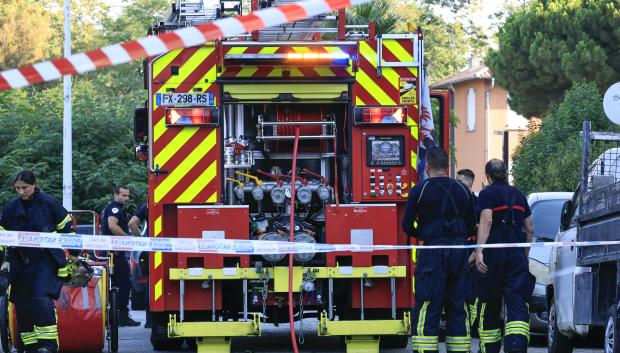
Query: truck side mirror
(140,124)
(565,216)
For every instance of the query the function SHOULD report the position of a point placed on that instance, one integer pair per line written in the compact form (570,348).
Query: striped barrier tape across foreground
(155,45)
(229,246)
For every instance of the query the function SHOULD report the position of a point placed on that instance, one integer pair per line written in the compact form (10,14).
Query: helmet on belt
(80,274)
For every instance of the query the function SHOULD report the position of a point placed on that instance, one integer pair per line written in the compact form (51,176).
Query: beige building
(487,127)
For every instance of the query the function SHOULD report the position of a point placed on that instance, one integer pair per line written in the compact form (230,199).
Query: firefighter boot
(125,320)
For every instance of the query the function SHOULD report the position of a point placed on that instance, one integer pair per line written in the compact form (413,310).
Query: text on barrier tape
(229,246)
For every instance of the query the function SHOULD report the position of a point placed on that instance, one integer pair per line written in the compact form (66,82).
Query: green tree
(377,11)
(102,144)
(548,45)
(24,33)
(549,157)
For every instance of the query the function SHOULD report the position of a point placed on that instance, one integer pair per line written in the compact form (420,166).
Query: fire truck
(231,127)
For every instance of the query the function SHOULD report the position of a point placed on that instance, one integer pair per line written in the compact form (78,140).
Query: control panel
(383,170)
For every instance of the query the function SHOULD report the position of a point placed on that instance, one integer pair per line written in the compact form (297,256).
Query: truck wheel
(611,339)
(556,341)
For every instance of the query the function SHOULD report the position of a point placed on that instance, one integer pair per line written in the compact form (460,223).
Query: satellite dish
(611,103)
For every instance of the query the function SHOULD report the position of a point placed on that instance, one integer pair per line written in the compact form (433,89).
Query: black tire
(113,321)
(611,339)
(556,341)
(5,330)
(394,341)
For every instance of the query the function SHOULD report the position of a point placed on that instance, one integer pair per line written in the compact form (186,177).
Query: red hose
(336,171)
(292,239)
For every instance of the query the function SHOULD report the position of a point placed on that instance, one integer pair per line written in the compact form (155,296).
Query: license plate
(185,99)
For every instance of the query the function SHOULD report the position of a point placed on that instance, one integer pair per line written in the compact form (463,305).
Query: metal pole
(330,297)
(67,167)
(245,300)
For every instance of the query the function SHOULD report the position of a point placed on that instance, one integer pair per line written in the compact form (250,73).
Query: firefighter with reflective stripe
(114,221)
(467,177)
(505,218)
(36,275)
(444,213)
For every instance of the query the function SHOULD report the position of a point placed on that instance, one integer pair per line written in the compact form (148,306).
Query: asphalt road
(277,340)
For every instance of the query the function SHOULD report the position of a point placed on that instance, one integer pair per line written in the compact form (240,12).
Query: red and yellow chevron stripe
(189,154)
(371,90)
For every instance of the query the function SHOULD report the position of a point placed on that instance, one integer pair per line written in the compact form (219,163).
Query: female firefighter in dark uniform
(36,274)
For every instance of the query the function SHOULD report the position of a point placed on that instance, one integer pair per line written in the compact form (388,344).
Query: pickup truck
(583,296)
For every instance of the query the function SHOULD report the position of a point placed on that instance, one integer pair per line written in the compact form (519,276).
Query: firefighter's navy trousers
(441,285)
(507,277)
(34,286)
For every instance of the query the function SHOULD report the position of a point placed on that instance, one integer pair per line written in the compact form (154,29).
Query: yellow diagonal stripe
(268,50)
(413,124)
(163,61)
(158,290)
(177,142)
(359,101)
(237,50)
(184,167)
(247,71)
(276,72)
(374,89)
(157,259)
(185,70)
(371,55)
(212,198)
(296,73)
(401,54)
(157,226)
(200,183)
(324,71)
(205,83)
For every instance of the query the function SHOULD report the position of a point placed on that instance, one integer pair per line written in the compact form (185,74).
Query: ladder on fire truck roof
(185,13)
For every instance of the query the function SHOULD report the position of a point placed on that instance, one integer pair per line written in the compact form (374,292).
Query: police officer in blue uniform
(36,275)
(444,212)
(505,218)
(114,221)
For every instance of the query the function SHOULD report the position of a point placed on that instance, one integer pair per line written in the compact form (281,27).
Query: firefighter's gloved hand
(5,266)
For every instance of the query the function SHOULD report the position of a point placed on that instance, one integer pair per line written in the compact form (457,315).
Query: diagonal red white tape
(154,45)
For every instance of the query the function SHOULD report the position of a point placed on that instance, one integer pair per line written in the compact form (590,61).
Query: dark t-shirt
(114,209)
(426,199)
(498,197)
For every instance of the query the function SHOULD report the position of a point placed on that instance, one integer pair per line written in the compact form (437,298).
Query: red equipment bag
(81,315)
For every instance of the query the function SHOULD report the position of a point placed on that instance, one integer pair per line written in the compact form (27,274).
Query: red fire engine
(219,134)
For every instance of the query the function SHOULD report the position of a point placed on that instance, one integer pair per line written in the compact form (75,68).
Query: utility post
(67,138)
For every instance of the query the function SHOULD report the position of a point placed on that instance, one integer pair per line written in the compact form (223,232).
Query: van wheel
(611,339)
(556,341)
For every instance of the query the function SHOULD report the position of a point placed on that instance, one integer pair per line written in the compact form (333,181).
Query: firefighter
(467,177)
(36,275)
(505,218)
(114,222)
(444,213)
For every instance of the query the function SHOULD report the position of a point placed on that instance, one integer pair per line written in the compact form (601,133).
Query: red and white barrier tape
(155,45)
(232,246)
